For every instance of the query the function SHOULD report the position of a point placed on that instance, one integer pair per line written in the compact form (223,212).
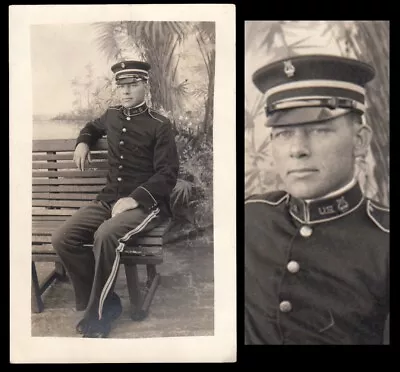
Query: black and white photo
(124,193)
(317,183)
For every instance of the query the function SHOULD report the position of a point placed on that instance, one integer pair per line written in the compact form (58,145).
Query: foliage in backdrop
(182,59)
(364,40)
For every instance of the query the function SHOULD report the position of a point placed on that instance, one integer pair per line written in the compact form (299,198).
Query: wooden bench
(58,190)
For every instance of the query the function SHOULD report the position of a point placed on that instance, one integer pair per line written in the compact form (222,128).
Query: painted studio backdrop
(73,84)
(267,41)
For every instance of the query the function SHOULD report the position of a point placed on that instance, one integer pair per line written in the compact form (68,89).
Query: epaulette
(157,116)
(271,198)
(379,215)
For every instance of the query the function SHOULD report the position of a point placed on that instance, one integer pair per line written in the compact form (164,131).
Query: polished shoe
(98,329)
(93,327)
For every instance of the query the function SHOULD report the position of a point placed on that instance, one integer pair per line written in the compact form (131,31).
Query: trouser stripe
(119,249)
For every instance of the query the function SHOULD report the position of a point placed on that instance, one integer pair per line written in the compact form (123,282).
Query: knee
(58,238)
(105,232)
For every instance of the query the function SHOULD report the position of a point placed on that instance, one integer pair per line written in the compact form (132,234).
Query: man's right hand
(82,153)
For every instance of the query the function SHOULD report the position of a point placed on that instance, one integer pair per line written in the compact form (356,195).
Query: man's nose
(299,146)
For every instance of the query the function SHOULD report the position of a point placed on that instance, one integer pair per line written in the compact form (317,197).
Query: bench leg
(153,280)
(60,271)
(36,299)
(135,295)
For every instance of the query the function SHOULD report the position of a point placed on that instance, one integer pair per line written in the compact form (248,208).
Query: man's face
(314,159)
(131,94)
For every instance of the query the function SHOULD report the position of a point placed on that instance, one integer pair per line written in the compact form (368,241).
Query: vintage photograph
(123,177)
(317,183)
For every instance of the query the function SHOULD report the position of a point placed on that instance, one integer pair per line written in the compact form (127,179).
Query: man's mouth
(302,171)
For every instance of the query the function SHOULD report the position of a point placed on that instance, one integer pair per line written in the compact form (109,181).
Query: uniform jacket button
(119,179)
(121,142)
(285,306)
(120,166)
(306,231)
(293,267)
(124,130)
(121,157)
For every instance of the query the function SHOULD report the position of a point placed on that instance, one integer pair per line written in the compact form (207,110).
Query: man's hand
(82,153)
(123,205)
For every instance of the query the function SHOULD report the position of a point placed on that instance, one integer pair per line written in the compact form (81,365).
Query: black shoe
(97,329)
(111,312)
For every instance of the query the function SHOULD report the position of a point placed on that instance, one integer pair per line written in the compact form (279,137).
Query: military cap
(128,72)
(312,88)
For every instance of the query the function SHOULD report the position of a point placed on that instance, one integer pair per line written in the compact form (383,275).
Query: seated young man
(143,169)
(317,252)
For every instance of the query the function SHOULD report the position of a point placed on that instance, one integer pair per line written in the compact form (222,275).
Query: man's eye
(283,134)
(320,130)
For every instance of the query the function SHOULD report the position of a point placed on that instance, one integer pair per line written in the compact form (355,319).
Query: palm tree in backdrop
(364,40)
(159,43)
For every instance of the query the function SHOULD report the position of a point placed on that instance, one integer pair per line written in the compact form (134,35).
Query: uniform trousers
(89,267)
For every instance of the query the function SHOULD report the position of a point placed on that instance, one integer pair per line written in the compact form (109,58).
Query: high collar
(330,207)
(132,111)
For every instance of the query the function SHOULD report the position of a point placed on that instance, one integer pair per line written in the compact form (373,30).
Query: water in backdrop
(56,129)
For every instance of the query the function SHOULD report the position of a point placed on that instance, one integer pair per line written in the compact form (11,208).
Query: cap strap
(331,103)
(316,83)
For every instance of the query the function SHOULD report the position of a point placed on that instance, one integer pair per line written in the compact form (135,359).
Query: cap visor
(303,115)
(129,80)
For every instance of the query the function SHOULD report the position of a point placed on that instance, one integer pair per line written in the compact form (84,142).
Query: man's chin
(303,190)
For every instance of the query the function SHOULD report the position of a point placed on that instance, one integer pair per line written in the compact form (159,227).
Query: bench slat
(70,181)
(77,173)
(66,156)
(43,249)
(63,145)
(48,230)
(139,240)
(62,196)
(47,218)
(67,165)
(62,188)
(53,212)
(59,203)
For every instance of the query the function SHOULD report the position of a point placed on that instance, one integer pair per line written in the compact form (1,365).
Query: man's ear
(362,140)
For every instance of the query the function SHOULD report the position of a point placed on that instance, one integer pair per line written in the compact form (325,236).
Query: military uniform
(143,164)
(316,271)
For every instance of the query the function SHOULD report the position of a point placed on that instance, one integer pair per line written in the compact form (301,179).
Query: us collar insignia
(289,68)
(342,204)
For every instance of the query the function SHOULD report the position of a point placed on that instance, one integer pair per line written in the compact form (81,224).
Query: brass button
(119,179)
(124,130)
(293,267)
(285,306)
(128,118)
(306,231)
(121,157)
(120,166)
(121,142)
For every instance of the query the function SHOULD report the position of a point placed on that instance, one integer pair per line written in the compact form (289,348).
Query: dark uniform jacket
(317,273)
(142,155)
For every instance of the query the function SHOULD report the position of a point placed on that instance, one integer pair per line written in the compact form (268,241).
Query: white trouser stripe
(119,249)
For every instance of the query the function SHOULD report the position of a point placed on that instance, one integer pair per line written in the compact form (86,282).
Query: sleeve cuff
(144,198)
(85,138)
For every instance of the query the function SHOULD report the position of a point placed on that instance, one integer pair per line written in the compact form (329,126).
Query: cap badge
(289,68)
(342,204)
(123,65)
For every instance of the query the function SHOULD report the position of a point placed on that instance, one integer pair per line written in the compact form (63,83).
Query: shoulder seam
(150,110)
(268,202)
(369,203)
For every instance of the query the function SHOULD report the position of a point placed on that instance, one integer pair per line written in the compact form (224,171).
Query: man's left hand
(123,205)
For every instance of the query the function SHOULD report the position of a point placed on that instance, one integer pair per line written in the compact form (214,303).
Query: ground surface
(183,304)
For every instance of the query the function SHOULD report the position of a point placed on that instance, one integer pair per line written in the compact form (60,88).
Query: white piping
(266,201)
(327,219)
(369,203)
(119,249)
(155,201)
(316,83)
